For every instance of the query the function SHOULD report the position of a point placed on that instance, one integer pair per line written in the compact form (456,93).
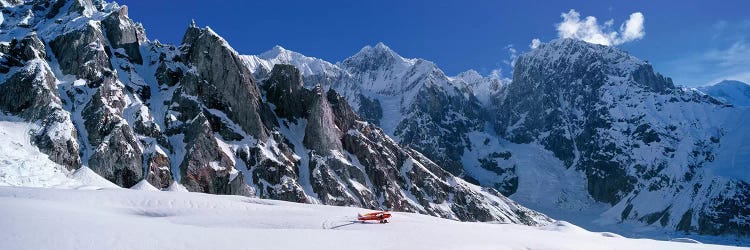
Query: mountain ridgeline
(580,128)
(578,125)
(131,109)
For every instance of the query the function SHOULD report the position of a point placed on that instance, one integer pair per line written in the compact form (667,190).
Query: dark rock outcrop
(125,34)
(352,162)
(283,87)
(206,168)
(82,53)
(321,134)
(141,109)
(158,171)
(630,131)
(31,93)
(222,82)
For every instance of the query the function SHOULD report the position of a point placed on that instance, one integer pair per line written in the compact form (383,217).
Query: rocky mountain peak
(131,109)
(469,76)
(125,34)
(276,52)
(375,58)
(573,57)
(561,54)
(484,88)
(284,88)
(610,116)
(220,78)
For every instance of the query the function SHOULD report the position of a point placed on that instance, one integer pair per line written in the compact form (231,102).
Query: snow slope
(732,92)
(132,219)
(24,165)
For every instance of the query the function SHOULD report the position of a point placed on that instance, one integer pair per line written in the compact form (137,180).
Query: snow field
(135,219)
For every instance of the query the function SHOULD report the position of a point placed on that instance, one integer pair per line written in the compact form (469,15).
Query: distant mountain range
(579,129)
(728,91)
(95,92)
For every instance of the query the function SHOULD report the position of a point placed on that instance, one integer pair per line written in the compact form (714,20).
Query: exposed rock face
(131,109)
(364,167)
(158,169)
(115,152)
(631,132)
(645,76)
(205,167)
(118,158)
(117,155)
(222,82)
(440,125)
(434,114)
(321,133)
(31,93)
(124,33)
(411,99)
(593,123)
(370,109)
(274,175)
(284,86)
(82,53)
(82,7)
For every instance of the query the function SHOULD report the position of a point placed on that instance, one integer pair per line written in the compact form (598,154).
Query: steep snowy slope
(24,165)
(148,115)
(322,71)
(581,129)
(660,155)
(483,87)
(732,92)
(128,219)
(411,99)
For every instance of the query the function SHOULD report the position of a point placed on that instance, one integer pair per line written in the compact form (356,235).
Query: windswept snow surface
(134,219)
(22,164)
(143,185)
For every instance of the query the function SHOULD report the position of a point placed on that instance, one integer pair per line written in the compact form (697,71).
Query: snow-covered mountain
(411,99)
(581,129)
(99,95)
(728,91)
(658,154)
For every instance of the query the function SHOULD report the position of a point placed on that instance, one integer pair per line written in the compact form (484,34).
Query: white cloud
(497,74)
(633,28)
(736,55)
(535,43)
(730,62)
(712,65)
(591,31)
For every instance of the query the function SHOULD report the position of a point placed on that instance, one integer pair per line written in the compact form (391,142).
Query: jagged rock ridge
(659,154)
(593,123)
(132,109)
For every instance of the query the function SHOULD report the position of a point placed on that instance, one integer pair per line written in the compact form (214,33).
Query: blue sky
(694,42)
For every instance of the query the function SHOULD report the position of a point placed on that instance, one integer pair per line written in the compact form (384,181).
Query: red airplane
(380,216)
